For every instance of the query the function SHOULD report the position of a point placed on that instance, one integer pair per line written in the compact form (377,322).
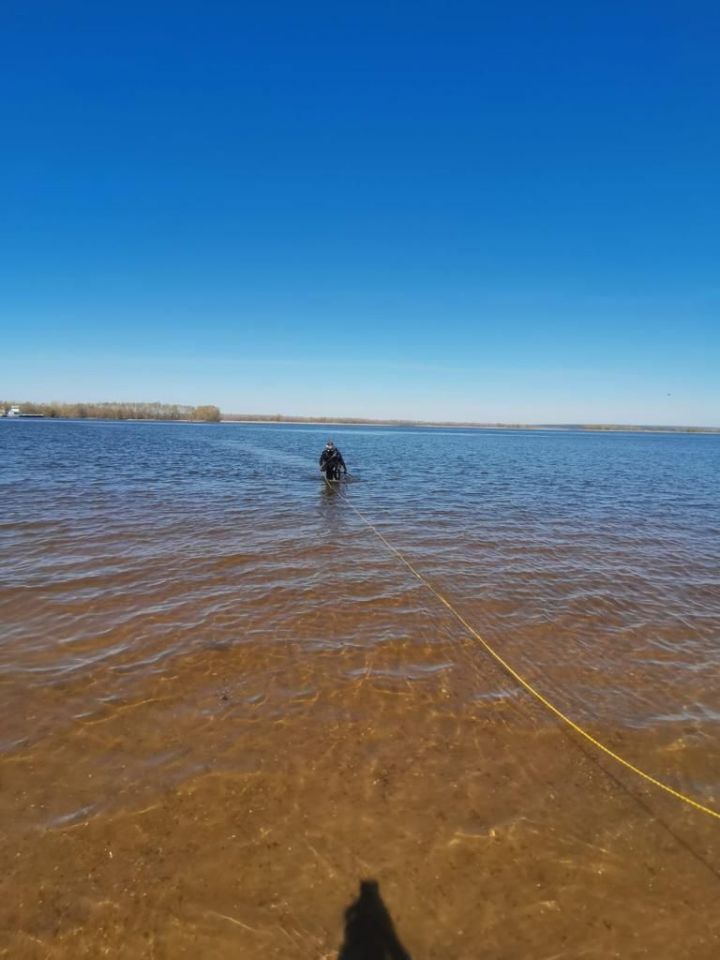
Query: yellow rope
(527,685)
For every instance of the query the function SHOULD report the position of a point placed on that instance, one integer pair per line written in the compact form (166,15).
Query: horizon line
(476,424)
(359,421)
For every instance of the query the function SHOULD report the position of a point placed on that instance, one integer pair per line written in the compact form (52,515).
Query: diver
(331,462)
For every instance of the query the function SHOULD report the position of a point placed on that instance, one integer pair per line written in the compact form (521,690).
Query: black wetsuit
(331,461)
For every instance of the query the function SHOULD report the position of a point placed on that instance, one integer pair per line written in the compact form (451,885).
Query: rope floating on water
(533,691)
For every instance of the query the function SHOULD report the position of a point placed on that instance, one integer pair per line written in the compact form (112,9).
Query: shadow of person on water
(369,931)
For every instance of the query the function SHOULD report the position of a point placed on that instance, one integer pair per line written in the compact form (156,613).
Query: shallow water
(225,701)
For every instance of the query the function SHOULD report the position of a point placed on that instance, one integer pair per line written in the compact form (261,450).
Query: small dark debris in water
(217,645)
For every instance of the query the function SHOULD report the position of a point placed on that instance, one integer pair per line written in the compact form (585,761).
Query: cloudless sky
(488,211)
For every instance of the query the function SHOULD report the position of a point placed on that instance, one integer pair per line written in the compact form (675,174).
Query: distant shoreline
(148,413)
(464,425)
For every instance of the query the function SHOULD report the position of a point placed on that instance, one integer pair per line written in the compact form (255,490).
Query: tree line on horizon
(608,427)
(206,413)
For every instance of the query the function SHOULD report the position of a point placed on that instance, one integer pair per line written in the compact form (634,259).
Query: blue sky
(438,210)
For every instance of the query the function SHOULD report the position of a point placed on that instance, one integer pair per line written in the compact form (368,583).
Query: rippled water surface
(226,701)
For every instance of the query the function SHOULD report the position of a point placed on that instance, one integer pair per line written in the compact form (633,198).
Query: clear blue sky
(492,211)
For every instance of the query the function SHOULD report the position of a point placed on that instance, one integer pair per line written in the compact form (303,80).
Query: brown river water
(226,704)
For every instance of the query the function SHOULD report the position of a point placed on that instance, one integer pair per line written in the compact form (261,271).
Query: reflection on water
(224,700)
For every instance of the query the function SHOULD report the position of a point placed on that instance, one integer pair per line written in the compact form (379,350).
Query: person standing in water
(331,462)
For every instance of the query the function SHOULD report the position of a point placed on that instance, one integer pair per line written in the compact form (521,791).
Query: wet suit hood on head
(331,457)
